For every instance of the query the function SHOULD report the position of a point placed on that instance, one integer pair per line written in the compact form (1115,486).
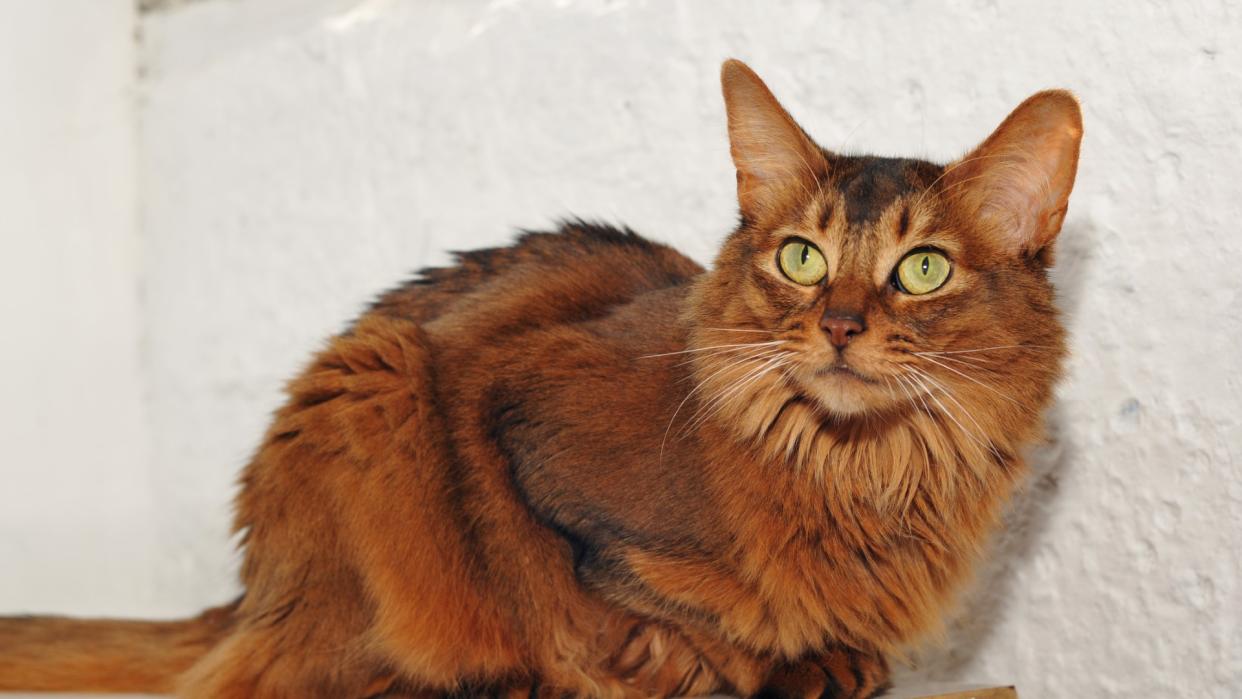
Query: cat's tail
(43,653)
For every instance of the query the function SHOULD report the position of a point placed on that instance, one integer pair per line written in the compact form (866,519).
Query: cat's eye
(802,262)
(922,272)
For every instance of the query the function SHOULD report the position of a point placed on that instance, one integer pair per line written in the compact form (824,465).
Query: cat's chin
(844,393)
(841,405)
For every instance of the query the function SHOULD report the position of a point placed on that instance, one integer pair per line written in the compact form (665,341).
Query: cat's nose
(841,328)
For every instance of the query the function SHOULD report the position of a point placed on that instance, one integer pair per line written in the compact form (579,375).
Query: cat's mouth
(844,370)
(843,390)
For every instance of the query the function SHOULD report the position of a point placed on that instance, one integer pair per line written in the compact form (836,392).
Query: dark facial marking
(870,185)
(825,216)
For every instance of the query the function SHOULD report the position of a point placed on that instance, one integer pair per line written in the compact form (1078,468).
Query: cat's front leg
(839,673)
(660,661)
(642,658)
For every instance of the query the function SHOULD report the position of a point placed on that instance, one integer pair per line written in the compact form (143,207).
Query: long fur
(105,655)
(582,464)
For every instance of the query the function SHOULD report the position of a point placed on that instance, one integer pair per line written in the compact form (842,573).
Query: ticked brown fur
(584,465)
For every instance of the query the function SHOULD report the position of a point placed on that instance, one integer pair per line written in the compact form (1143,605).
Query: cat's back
(577,272)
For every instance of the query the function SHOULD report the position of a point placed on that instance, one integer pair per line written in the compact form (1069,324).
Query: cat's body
(582,464)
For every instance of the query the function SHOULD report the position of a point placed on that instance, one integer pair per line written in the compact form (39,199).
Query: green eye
(922,272)
(802,262)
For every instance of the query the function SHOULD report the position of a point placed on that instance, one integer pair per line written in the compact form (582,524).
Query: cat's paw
(530,690)
(658,661)
(853,674)
(840,673)
(801,680)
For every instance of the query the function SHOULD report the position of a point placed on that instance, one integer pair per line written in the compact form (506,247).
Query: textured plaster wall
(297,157)
(75,495)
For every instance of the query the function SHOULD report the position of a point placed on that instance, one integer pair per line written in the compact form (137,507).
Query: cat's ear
(776,161)
(1017,183)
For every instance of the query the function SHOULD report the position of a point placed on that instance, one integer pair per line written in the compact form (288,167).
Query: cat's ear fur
(776,161)
(1017,183)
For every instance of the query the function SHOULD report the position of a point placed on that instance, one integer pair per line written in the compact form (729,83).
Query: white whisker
(965,413)
(717,353)
(768,355)
(986,349)
(738,330)
(919,380)
(888,386)
(713,405)
(751,357)
(976,381)
(730,390)
(972,362)
(712,347)
(915,397)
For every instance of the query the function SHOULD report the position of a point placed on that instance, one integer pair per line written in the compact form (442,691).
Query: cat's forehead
(869,186)
(869,211)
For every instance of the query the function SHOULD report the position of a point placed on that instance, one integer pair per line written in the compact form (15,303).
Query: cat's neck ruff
(866,524)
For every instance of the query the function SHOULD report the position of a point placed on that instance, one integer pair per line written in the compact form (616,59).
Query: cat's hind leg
(304,651)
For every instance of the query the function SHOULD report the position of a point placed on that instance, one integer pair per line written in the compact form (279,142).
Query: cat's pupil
(806,252)
(926,263)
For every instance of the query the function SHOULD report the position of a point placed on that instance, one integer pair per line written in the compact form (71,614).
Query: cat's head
(867,286)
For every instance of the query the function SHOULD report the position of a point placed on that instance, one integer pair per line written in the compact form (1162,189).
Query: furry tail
(103,655)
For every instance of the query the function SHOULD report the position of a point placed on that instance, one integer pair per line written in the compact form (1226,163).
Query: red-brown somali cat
(583,465)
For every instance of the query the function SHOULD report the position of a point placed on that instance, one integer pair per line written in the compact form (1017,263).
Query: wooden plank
(950,691)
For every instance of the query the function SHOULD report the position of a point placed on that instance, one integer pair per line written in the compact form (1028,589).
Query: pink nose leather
(840,329)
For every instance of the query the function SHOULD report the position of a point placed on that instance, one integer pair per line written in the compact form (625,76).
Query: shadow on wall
(980,609)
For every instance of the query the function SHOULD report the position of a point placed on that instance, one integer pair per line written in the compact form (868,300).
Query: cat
(582,465)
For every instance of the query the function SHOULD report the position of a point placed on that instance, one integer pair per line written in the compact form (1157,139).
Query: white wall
(298,156)
(75,491)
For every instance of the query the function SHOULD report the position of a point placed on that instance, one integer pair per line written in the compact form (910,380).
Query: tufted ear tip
(1054,109)
(733,69)
(1059,99)
(742,85)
